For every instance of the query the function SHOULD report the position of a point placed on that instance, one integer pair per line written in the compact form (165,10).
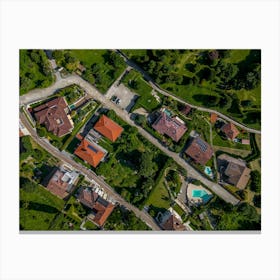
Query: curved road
(166,93)
(89,173)
(40,94)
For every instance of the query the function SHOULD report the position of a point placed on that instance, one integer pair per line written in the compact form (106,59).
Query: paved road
(164,92)
(40,94)
(88,173)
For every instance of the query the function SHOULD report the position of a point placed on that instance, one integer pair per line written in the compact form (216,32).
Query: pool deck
(191,188)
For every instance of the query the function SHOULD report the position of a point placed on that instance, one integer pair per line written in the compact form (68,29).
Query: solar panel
(93,149)
(202,144)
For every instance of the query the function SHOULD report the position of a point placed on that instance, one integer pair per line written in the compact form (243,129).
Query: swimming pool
(208,171)
(201,194)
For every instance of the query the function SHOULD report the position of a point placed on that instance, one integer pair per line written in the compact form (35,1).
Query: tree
(41,131)
(146,167)
(257,200)
(255,181)
(140,119)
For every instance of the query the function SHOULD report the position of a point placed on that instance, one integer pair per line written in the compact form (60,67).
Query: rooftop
(199,150)
(108,128)
(233,171)
(61,182)
(171,126)
(101,207)
(53,115)
(230,130)
(89,153)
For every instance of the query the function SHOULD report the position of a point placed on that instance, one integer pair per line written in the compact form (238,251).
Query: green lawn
(191,75)
(35,70)
(178,209)
(218,141)
(237,55)
(135,82)
(159,196)
(105,73)
(38,208)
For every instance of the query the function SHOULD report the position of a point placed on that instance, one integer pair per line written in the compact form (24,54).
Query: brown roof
(236,172)
(52,114)
(186,109)
(89,153)
(108,128)
(172,223)
(101,208)
(57,186)
(213,117)
(199,150)
(230,130)
(172,127)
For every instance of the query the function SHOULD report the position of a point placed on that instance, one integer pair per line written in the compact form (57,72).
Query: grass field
(146,100)
(107,73)
(38,208)
(159,196)
(218,141)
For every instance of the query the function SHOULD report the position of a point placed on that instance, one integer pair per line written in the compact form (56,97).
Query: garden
(102,67)
(35,70)
(225,80)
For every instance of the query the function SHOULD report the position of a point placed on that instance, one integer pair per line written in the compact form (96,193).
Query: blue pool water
(201,194)
(208,171)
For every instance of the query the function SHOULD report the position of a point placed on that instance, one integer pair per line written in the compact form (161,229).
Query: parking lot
(124,98)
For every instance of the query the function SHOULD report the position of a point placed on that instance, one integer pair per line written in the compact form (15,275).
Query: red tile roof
(89,153)
(213,117)
(108,128)
(101,208)
(57,186)
(199,150)
(52,114)
(172,127)
(230,130)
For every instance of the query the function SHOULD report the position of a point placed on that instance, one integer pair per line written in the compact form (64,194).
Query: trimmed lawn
(218,141)
(159,196)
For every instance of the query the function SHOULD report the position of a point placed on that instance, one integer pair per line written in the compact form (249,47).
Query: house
(108,128)
(89,152)
(199,150)
(233,171)
(230,130)
(53,115)
(213,118)
(61,183)
(101,208)
(171,126)
(186,109)
(171,220)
